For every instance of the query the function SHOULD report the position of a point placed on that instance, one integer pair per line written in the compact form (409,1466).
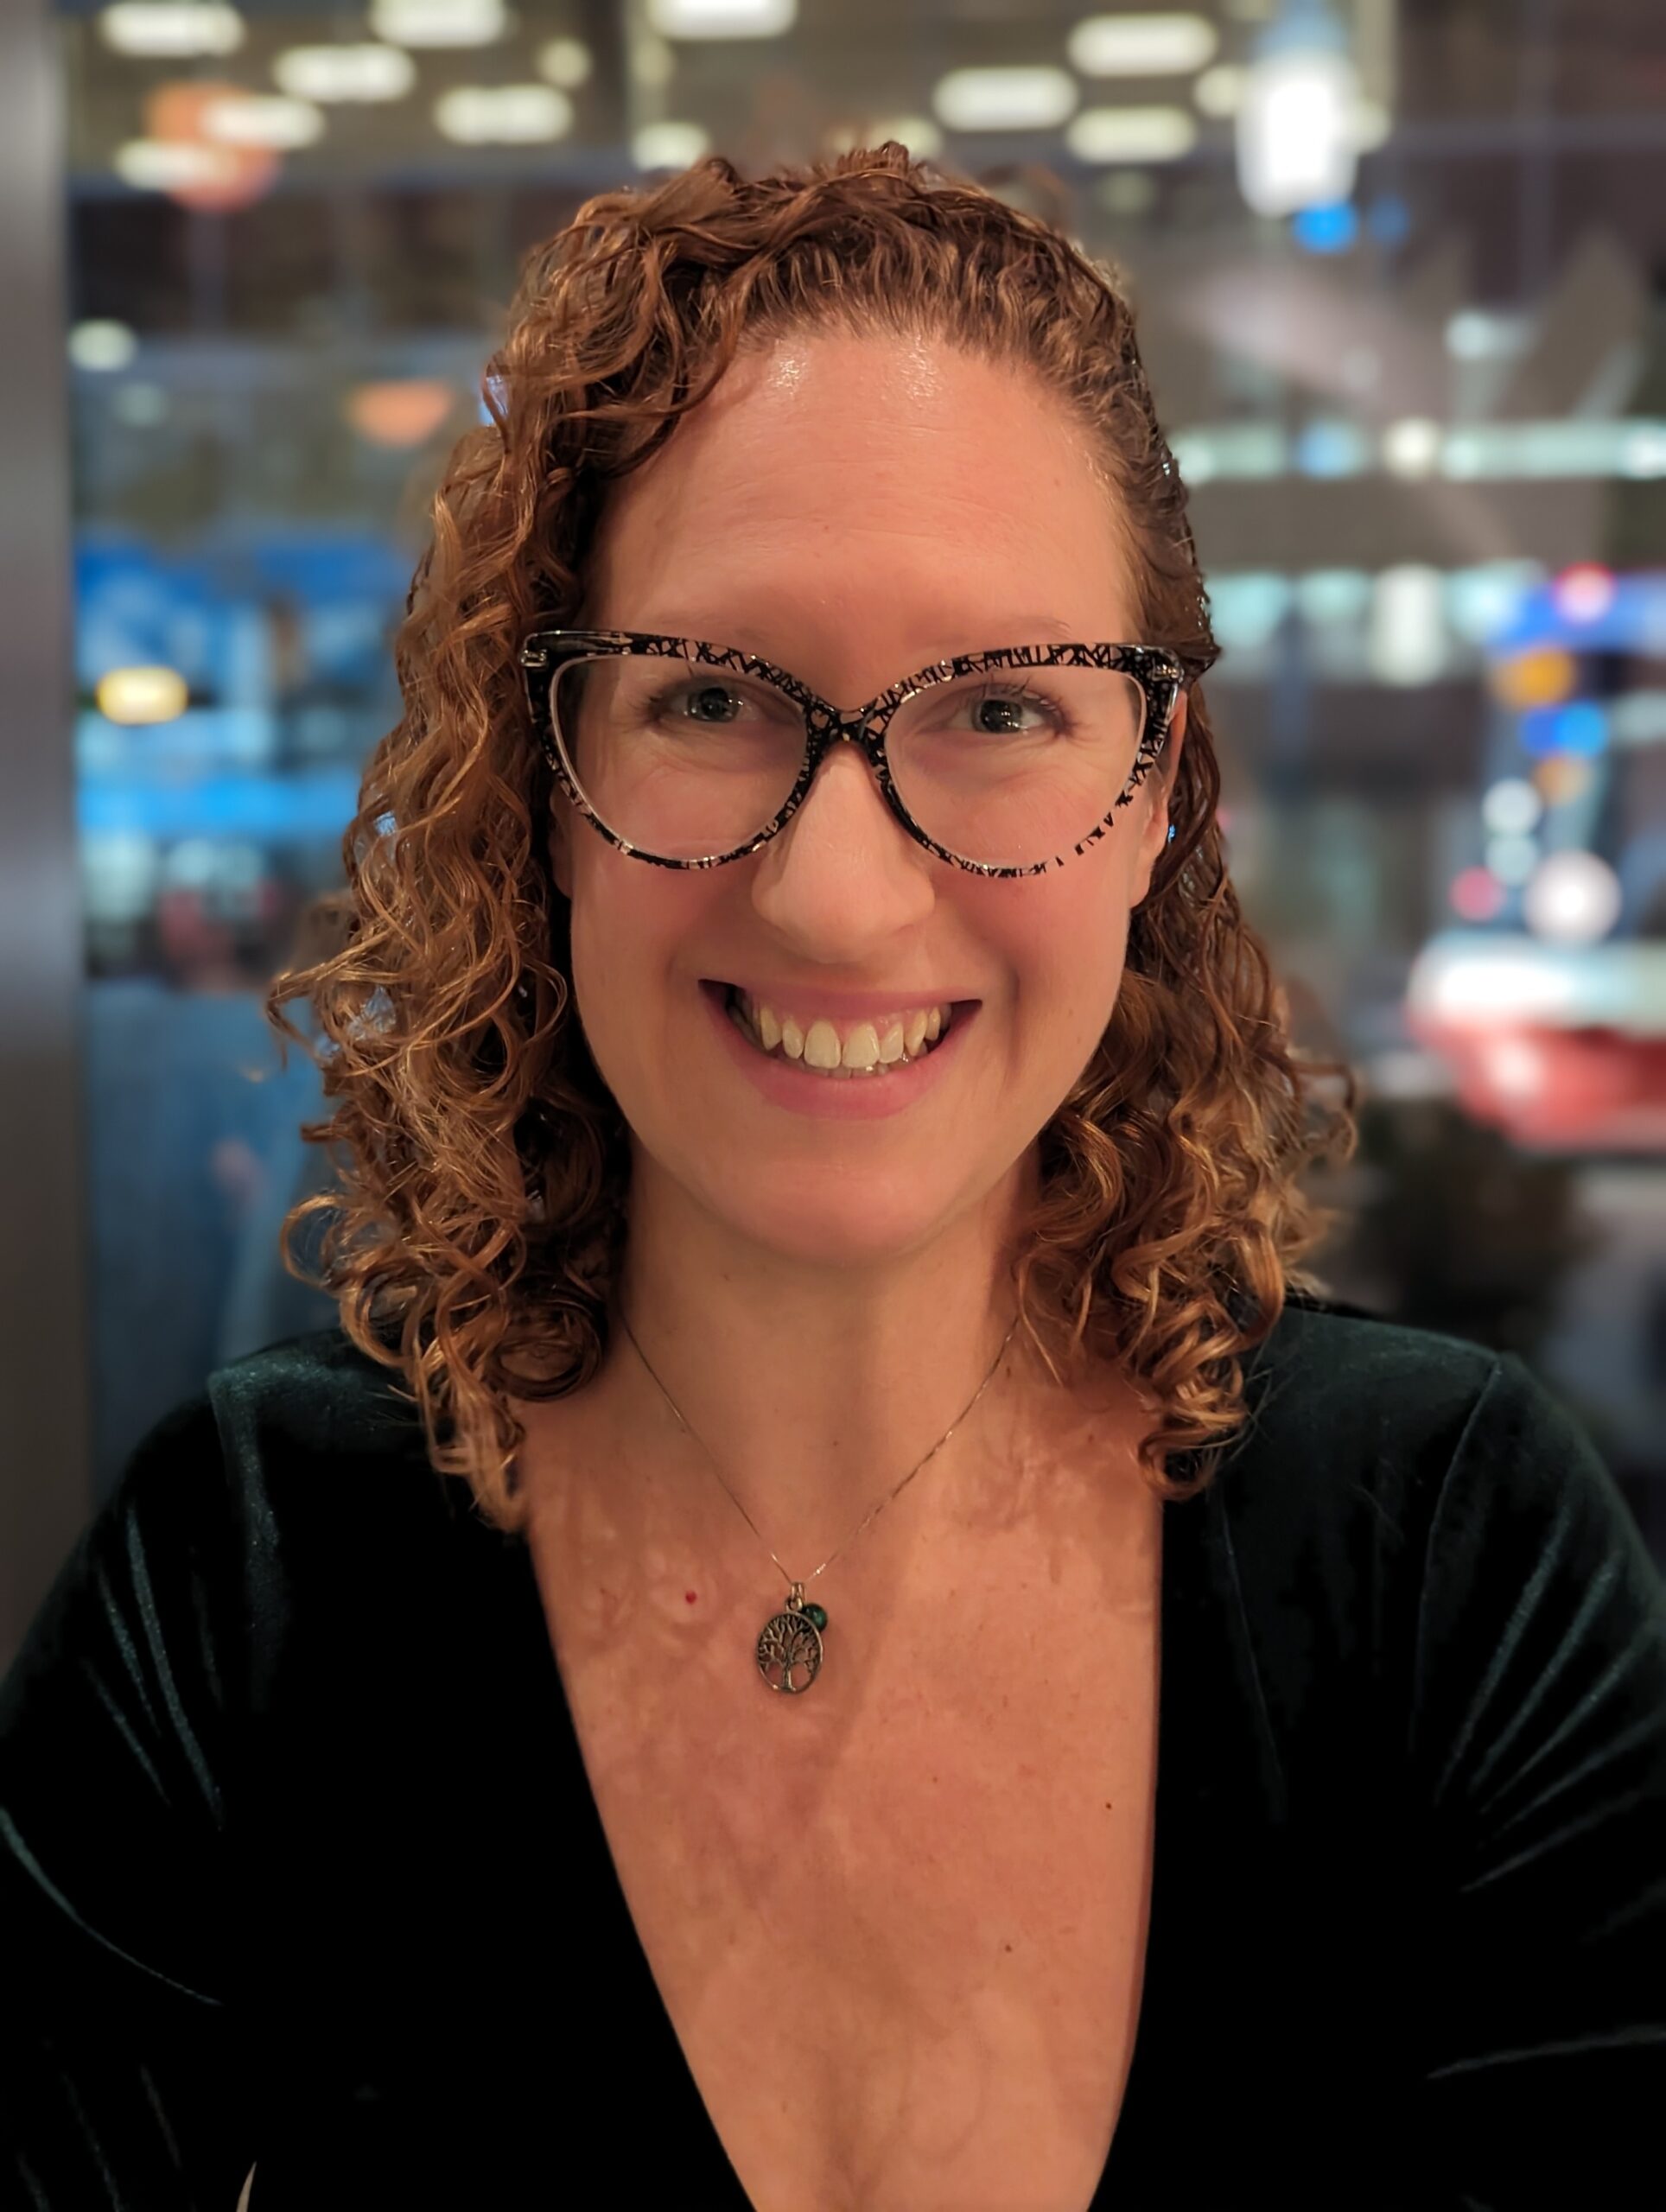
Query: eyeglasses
(688,755)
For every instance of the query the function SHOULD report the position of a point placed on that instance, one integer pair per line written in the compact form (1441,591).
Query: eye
(716,702)
(707,703)
(997,710)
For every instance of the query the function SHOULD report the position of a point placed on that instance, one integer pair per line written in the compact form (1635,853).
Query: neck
(812,1390)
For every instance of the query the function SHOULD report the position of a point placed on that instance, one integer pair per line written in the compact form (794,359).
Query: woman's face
(854,510)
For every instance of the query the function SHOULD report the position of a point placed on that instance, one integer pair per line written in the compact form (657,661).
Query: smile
(861,1049)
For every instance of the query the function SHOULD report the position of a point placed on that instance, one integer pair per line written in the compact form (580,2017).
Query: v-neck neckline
(1182,1536)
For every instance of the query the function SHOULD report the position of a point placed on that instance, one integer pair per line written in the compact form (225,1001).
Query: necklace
(790,1643)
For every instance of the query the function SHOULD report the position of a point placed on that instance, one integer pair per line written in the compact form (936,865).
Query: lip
(806,1005)
(868,1098)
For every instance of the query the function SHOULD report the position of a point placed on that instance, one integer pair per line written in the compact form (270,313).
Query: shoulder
(1348,1416)
(320,1439)
(316,1393)
(1370,1436)
(1334,1379)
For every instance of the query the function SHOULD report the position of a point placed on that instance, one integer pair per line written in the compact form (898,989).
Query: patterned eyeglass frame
(1160,674)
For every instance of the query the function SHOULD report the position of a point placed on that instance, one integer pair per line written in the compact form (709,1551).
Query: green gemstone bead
(815,1615)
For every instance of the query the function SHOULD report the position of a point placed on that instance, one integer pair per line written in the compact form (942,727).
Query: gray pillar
(45,1490)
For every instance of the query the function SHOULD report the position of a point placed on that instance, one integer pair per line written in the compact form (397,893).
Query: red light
(1585,592)
(1476,894)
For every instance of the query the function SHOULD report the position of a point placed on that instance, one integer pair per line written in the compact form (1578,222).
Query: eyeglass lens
(1009,768)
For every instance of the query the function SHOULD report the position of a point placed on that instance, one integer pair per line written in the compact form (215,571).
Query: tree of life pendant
(790,1644)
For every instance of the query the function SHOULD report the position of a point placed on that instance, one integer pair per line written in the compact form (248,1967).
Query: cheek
(630,923)
(1064,943)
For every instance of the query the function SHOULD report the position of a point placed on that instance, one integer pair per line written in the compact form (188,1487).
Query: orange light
(240,175)
(1541,677)
(1560,777)
(402,412)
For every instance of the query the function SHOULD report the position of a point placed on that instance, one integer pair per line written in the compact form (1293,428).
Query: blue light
(1329,448)
(1388,219)
(1580,727)
(313,808)
(1329,229)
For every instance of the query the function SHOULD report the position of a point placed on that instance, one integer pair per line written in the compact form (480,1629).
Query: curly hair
(483,1164)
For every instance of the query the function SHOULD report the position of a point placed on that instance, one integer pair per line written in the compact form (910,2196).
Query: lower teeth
(840,1074)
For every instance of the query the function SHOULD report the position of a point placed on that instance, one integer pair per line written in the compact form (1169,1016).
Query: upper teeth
(861,1043)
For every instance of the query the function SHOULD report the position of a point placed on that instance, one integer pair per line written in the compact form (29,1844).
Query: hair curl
(471,1238)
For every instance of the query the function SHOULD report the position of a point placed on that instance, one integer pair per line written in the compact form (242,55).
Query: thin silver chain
(884,1501)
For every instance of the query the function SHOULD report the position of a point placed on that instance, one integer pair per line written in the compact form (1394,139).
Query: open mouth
(847,1051)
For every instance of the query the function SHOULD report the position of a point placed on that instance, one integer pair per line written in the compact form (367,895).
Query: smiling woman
(860,434)
(799,1061)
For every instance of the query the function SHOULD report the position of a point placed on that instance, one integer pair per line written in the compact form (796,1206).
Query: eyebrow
(1022,630)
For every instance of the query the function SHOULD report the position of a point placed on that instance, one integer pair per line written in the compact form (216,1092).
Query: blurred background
(1401,281)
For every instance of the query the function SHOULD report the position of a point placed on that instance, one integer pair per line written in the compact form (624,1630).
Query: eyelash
(1013,695)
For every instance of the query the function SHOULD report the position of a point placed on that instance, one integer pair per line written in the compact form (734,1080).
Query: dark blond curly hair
(483,1164)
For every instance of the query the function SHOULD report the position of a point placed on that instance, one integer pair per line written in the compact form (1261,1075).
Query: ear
(1153,835)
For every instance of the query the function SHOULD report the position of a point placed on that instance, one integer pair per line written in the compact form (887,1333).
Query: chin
(860,1223)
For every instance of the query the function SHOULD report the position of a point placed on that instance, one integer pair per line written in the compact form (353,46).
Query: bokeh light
(1575,897)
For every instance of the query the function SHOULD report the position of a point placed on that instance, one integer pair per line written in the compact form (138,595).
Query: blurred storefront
(1411,350)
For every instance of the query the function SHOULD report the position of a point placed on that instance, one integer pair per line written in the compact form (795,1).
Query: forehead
(897,484)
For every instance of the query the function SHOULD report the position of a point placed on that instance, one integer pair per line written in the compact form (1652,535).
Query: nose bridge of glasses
(862,726)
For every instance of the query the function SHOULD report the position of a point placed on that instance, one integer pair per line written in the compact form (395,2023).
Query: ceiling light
(170,164)
(1329,599)
(651,62)
(1491,597)
(1407,636)
(1131,134)
(345,72)
(1473,334)
(917,132)
(503,115)
(668,146)
(171,27)
(1141,46)
(1219,91)
(1005,100)
(1248,607)
(1331,447)
(268,119)
(102,345)
(141,694)
(438,23)
(564,61)
(722,18)
(1411,446)
(1643,450)
(1295,122)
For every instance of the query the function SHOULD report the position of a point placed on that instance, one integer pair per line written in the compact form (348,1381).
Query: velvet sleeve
(120,2083)
(1538,1737)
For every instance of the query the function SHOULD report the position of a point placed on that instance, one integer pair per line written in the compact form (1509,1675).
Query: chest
(898,1923)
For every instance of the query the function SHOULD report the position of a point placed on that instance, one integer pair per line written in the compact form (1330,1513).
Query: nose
(844,876)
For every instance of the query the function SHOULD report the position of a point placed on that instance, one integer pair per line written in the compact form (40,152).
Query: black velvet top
(300,1868)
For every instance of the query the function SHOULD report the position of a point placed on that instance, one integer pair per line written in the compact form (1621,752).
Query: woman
(790,924)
